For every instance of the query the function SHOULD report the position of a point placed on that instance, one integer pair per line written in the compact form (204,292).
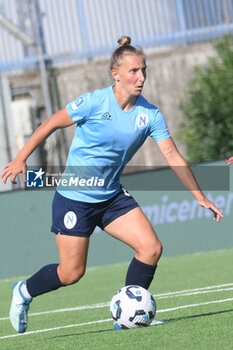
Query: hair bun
(124,40)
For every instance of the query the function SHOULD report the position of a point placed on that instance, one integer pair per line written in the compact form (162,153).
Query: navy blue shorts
(75,218)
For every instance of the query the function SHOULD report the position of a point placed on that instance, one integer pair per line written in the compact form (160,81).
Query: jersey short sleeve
(80,108)
(158,127)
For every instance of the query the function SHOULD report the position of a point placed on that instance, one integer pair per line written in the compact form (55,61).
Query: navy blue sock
(43,281)
(140,274)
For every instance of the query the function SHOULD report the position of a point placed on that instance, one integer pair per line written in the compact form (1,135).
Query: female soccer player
(112,124)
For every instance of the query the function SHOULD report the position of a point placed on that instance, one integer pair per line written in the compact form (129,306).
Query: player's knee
(158,249)
(151,252)
(69,277)
(154,251)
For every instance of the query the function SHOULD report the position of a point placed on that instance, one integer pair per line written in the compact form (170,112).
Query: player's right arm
(229,161)
(61,119)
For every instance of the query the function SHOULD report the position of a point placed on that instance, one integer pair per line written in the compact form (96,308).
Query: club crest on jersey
(142,120)
(70,220)
(77,103)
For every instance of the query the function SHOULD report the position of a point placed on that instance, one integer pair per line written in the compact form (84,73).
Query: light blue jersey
(106,138)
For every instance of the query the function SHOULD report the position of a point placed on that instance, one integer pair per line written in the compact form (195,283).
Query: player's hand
(12,169)
(206,203)
(229,160)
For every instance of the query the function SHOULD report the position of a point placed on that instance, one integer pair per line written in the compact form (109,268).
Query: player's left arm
(182,170)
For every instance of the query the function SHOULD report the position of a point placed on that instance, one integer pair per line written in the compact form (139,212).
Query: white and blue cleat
(116,327)
(19,309)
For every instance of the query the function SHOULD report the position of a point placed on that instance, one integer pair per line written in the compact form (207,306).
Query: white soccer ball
(132,307)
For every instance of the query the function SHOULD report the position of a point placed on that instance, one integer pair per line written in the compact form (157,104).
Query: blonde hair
(124,48)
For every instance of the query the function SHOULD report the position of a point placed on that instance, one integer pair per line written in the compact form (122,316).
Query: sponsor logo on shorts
(70,220)
(126,193)
(77,103)
(142,121)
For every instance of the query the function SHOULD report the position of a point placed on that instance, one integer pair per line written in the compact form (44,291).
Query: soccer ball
(132,307)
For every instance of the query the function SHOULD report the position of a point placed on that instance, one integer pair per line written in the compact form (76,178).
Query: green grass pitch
(193,293)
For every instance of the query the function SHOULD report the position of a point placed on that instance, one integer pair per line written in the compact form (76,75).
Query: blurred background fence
(53,51)
(83,29)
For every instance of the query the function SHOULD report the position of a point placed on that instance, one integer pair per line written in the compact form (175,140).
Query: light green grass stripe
(187,292)
(110,319)
(55,328)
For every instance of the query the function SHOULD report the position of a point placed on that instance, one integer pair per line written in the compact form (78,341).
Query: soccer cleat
(157,322)
(19,309)
(116,327)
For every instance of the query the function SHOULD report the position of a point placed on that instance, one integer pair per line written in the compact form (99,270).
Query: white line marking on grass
(110,319)
(194,293)
(195,305)
(55,328)
(195,289)
(186,292)
(77,308)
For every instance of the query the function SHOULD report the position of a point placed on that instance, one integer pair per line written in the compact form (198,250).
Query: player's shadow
(82,333)
(166,321)
(175,319)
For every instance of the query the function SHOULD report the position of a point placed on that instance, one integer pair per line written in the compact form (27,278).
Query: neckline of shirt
(117,104)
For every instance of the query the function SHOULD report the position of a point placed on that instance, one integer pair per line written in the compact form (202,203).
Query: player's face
(131,74)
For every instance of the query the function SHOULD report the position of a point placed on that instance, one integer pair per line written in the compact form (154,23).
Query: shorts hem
(73,234)
(127,210)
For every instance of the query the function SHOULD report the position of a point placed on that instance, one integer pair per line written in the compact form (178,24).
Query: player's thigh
(134,229)
(73,250)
